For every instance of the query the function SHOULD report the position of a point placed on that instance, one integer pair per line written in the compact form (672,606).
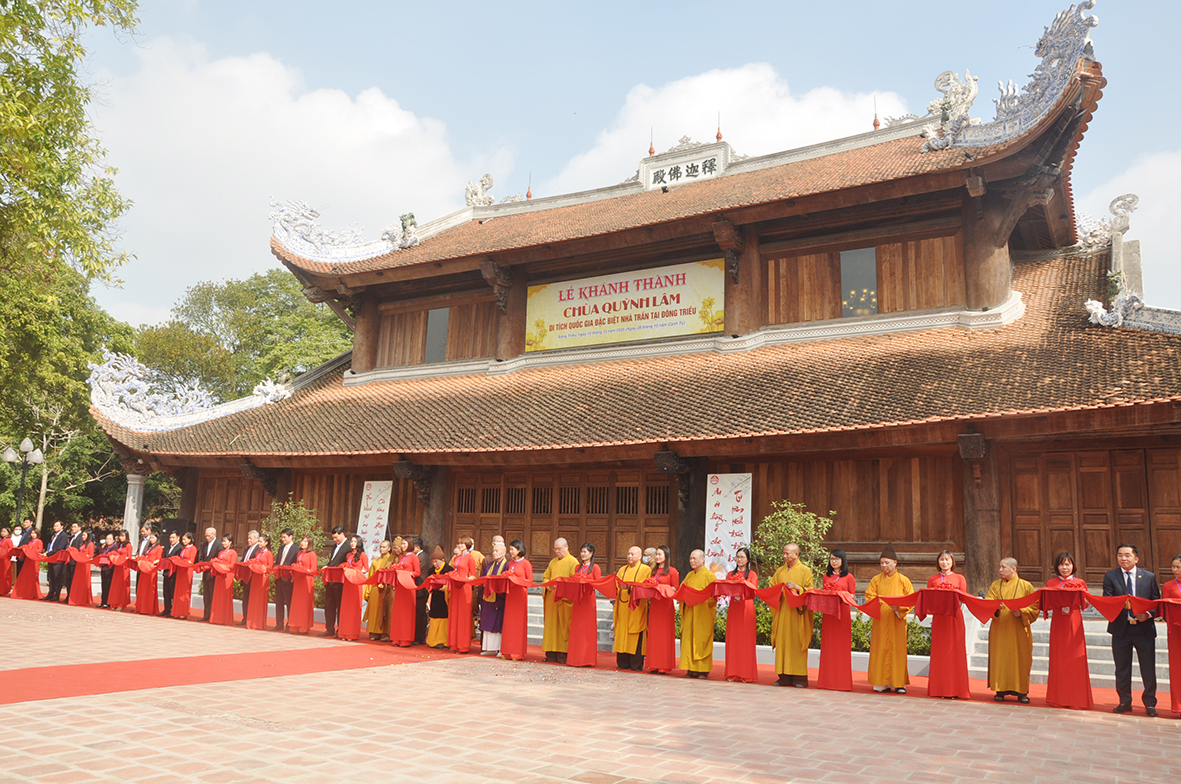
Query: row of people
(643,625)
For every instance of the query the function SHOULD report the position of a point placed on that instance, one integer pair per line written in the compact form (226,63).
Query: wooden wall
(613,509)
(912,275)
(1087,503)
(914,502)
(921,274)
(231,503)
(401,339)
(804,288)
(336,498)
(471,329)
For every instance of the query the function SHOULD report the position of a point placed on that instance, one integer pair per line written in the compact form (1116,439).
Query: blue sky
(369,110)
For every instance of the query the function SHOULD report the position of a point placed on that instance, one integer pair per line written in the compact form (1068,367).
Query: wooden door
(1164,493)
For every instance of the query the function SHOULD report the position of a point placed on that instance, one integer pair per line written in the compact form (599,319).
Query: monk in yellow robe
(791,628)
(377,609)
(1010,642)
(630,625)
(887,641)
(697,622)
(555,640)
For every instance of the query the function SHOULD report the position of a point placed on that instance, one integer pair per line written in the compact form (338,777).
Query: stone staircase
(537,620)
(1098,655)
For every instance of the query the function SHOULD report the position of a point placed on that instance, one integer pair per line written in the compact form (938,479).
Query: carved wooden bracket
(500,279)
(420,475)
(973,447)
(267,477)
(975,185)
(346,306)
(730,239)
(669,462)
(129,462)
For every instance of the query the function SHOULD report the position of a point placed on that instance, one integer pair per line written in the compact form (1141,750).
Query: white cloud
(1154,179)
(203,144)
(759,115)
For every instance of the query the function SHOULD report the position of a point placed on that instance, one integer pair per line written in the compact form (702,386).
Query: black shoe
(163,615)
(1151,712)
(1122,709)
(999,696)
(1023,699)
(327,634)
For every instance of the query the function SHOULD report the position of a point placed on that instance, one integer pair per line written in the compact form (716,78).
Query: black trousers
(332,595)
(104,575)
(207,583)
(55,573)
(420,619)
(282,601)
(68,579)
(632,661)
(169,591)
(1121,651)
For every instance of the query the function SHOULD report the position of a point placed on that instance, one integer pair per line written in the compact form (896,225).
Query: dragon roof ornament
(294,224)
(120,388)
(1063,44)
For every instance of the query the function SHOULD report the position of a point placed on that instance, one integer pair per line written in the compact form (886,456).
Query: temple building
(907,327)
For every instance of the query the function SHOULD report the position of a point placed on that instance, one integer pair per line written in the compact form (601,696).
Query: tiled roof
(1049,360)
(888,161)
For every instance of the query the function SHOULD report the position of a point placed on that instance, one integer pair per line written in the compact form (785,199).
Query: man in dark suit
(26,537)
(284,556)
(1132,630)
(333,591)
(424,571)
(58,542)
(173,549)
(207,552)
(71,565)
(250,552)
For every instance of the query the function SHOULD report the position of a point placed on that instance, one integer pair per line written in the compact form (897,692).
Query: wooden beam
(860,238)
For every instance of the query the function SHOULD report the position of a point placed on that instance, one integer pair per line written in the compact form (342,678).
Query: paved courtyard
(470,719)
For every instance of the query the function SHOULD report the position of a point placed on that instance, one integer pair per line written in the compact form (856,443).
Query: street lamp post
(28,456)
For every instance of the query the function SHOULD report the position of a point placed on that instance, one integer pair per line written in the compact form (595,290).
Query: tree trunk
(41,495)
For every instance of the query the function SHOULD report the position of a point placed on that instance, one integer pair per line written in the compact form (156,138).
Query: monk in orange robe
(1010,642)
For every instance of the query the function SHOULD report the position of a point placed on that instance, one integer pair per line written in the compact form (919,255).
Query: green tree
(58,202)
(789,523)
(233,334)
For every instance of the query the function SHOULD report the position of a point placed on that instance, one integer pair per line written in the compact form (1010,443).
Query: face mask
(644,559)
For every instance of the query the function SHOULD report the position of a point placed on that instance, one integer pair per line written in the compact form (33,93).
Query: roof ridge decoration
(1063,44)
(120,388)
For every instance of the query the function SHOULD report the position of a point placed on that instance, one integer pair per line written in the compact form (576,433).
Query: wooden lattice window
(490,502)
(465,500)
(656,500)
(543,500)
(568,498)
(597,499)
(514,501)
(627,500)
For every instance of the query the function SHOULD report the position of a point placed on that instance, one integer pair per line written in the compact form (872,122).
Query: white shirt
(283,552)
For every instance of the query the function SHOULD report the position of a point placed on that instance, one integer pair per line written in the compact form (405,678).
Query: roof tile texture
(1051,359)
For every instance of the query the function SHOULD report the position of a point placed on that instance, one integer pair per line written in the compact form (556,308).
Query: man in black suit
(71,565)
(250,552)
(285,555)
(173,549)
(1132,630)
(207,552)
(333,591)
(26,537)
(424,571)
(58,542)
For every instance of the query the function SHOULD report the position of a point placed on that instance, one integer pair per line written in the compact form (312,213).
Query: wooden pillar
(188,494)
(434,516)
(282,486)
(365,336)
(746,297)
(988,271)
(691,510)
(510,325)
(982,520)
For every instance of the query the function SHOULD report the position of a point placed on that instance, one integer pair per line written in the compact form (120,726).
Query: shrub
(786,524)
(303,522)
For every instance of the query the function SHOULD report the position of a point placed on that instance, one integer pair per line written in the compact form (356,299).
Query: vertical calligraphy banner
(374,517)
(727,519)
